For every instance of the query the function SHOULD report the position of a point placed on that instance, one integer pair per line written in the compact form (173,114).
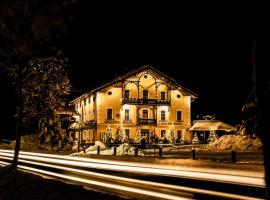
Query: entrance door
(145,133)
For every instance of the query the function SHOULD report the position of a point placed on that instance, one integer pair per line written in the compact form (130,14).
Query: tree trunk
(19,118)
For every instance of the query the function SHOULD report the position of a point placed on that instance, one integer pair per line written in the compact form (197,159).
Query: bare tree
(26,32)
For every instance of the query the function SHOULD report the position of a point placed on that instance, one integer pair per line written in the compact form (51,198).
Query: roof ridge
(132,72)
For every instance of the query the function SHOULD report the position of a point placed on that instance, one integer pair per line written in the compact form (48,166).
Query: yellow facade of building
(142,103)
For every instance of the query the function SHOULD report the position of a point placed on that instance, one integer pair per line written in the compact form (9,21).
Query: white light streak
(107,185)
(243,180)
(159,185)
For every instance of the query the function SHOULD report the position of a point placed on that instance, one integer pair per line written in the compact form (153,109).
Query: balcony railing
(111,121)
(147,121)
(163,101)
(165,122)
(127,121)
(146,101)
(91,123)
(130,100)
(178,122)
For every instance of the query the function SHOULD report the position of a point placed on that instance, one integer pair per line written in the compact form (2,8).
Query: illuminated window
(145,114)
(145,94)
(163,133)
(126,95)
(162,95)
(178,96)
(163,115)
(178,115)
(126,114)
(109,113)
(179,134)
(109,93)
(127,132)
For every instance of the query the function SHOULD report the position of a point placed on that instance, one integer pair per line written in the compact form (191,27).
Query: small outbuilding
(202,128)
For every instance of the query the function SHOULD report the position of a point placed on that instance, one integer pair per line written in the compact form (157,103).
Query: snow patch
(123,149)
(236,142)
(127,149)
(99,144)
(28,143)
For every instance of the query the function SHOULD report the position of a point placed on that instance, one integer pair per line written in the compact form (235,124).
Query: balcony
(127,121)
(180,122)
(91,123)
(146,101)
(165,122)
(147,121)
(111,121)
(163,101)
(130,101)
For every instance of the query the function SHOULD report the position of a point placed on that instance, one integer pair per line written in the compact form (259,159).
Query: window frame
(162,133)
(127,130)
(179,111)
(144,113)
(179,132)
(163,114)
(145,92)
(161,96)
(109,108)
(125,93)
(127,116)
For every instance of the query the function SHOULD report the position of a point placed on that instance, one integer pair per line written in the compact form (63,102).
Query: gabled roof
(134,72)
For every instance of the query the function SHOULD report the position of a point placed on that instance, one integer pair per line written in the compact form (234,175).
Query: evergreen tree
(212,137)
(118,137)
(195,139)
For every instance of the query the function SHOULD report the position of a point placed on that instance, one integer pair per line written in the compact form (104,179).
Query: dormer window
(126,94)
(162,95)
(145,94)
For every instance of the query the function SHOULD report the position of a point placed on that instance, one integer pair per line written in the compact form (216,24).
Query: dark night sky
(212,60)
(208,56)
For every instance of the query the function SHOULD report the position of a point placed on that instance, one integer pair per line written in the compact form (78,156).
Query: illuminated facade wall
(142,104)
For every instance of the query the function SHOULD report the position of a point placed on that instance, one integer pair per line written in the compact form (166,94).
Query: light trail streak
(107,185)
(247,181)
(159,185)
(147,165)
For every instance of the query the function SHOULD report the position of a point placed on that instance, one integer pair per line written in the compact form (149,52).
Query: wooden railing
(147,121)
(111,121)
(147,101)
